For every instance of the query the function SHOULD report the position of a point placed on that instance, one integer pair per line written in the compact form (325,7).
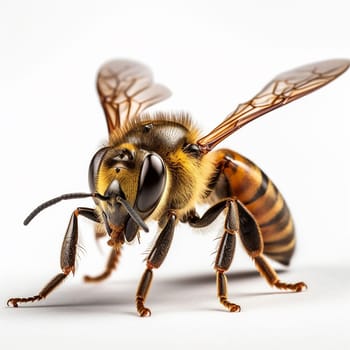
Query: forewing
(125,89)
(285,88)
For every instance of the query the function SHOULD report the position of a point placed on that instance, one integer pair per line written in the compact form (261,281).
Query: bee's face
(134,175)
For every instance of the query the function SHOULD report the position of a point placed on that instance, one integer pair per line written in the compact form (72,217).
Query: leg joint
(213,212)
(163,242)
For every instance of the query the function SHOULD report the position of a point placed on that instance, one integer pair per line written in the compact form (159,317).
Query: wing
(126,88)
(285,88)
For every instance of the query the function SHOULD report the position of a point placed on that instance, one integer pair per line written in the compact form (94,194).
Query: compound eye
(94,167)
(151,183)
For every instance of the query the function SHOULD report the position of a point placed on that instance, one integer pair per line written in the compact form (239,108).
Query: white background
(213,55)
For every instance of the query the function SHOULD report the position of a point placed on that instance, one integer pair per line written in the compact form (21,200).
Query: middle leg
(226,249)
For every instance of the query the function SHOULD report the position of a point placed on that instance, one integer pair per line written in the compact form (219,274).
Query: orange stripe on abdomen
(256,191)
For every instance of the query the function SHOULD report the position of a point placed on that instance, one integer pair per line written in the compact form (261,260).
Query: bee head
(130,183)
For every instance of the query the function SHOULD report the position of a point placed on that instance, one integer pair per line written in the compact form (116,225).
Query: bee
(159,167)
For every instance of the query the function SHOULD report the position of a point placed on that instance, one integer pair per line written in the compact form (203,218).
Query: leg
(112,262)
(110,266)
(68,254)
(225,253)
(252,240)
(226,248)
(272,278)
(42,294)
(154,260)
(142,292)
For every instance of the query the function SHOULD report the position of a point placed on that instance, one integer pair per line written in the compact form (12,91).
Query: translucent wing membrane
(126,88)
(285,88)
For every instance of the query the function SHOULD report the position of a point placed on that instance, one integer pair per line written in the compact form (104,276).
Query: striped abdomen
(241,178)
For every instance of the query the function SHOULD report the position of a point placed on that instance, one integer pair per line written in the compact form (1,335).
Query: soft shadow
(187,292)
(208,278)
(116,295)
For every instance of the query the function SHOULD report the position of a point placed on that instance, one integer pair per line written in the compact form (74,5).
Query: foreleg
(154,260)
(68,256)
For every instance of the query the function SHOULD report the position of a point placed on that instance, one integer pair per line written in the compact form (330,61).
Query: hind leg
(238,221)
(252,240)
(272,278)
